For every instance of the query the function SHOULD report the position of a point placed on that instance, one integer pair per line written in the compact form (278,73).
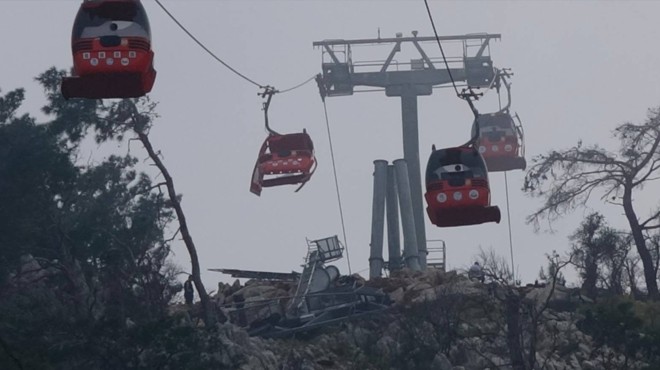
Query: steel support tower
(408,80)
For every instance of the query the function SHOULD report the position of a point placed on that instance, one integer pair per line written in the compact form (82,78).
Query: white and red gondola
(457,188)
(284,159)
(112,55)
(500,138)
(500,141)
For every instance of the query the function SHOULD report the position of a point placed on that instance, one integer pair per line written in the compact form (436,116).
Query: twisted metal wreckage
(323,297)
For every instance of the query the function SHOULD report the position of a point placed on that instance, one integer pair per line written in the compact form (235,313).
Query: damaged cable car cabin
(284,160)
(457,189)
(112,55)
(500,141)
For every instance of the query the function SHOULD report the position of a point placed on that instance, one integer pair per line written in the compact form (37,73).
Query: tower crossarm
(342,72)
(391,40)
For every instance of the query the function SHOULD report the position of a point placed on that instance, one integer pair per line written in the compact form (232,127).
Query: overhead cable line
(508,217)
(334,170)
(323,93)
(464,96)
(506,188)
(205,48)
(467,96)
(442,51)
(222,61)
(298,85)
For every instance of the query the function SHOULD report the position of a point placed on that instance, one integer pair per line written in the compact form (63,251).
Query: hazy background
(581,68)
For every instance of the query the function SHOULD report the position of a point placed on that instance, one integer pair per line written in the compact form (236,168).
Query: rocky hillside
(436,321)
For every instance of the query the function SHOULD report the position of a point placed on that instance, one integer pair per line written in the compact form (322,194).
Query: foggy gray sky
(580,69)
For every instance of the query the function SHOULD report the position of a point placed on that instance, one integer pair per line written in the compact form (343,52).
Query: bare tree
(535,309)
(495,267)
(566,180)
(140,122)
(523,316)
(550,275)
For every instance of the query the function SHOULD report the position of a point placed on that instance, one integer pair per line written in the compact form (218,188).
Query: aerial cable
(508,217)
(268,93)
(297,86)
(442,51)
(205,48)
(222,61)
(506,185)
(323,91)
(468,95)
(334,170)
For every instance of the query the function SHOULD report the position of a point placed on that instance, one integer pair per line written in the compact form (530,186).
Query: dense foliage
(85,280)
(630,327)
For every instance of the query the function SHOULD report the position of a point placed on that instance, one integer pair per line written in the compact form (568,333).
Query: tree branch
(654,166)
(650,154)
(568,196)
(654,217)
(173,236)
(157,186)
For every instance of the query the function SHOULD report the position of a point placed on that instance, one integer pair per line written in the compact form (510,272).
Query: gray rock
(441,362)
(387,347)
(420,286)
(589,365)
(397,295)
(425,295)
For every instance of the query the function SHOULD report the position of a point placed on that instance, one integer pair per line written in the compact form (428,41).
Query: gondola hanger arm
(268,93)
(503,76)
(469,95)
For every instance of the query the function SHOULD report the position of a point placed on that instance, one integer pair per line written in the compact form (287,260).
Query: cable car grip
(268,93)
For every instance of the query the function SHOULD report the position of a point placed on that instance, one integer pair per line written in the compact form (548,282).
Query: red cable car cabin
(112,56)
(500,142)
(284,160)
(457,191)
